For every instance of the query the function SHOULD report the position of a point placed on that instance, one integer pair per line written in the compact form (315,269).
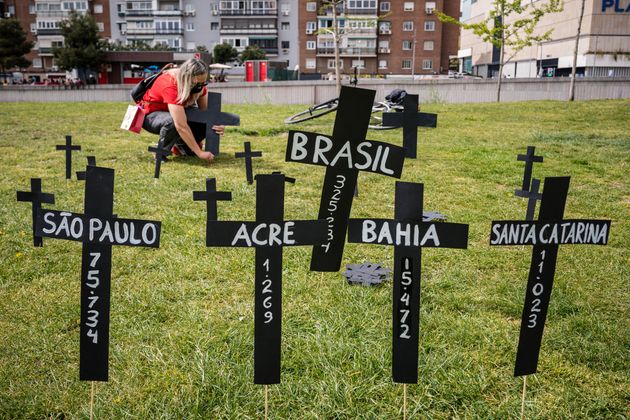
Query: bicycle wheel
(376,121)
(314,112)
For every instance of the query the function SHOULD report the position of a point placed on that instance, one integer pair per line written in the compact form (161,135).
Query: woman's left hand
(219,129)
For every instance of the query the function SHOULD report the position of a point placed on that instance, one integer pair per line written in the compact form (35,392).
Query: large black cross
(410,119)
(268,234)
(248,154)
(545,235)
(160,151)
(37,198)
(91,161)
(211,196)
(344,154)
(212,116)
(99,231)
(408,234)
(69,148)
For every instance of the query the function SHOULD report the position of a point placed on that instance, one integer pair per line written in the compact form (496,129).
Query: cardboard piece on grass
(161,153)
(37,198)
(366,274)
(91,161)
(68,148)
(268,234)
(248,154)
(546,235)
(410,119)
(433,216)
(212,116)
(98,230)
(408,234)
(344,154)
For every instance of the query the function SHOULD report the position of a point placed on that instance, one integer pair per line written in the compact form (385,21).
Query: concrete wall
(311,92)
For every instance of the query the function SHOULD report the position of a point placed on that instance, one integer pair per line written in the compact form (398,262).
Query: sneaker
(178,151)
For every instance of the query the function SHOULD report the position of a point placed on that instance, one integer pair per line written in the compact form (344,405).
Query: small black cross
(529,160)
(286,178)
(546,235)
(212,116)
(248,155)
(91,161)
(410,119)
(269,234)
(532,197)
(408,234)
(68,147)
(37,198)
(211,196)
(160,151)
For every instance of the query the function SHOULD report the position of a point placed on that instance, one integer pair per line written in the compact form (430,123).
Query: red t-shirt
(162,92)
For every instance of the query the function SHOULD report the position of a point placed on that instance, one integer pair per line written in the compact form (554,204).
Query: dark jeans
(161,122)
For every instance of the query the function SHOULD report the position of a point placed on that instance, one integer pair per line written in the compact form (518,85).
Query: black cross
(68,147)
(248,155)
(37,198)
(344,154)
(212,116)
(529,160)
(541,235)
(211,196)
(286,178)
(416,235)
(532,197)
(410,119)
(160,151)
(268,234)
(99,231)
(91,161)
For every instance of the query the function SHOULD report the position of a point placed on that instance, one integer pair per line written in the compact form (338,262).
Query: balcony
(51,13)
(45,51)
(249,31)
(362,12)
(248,12)
(153,31)
(347,52)
(133,12)
(360,31)
(168,13)
(54,31)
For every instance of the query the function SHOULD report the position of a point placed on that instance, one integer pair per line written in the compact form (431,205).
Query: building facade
(604,48)
(378,37)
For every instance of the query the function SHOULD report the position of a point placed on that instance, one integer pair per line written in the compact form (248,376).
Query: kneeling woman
(165,106)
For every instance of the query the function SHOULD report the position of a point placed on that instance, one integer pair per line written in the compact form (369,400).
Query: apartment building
(41,19)
(379,37)
(604,48)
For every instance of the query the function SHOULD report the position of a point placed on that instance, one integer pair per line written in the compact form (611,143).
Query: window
(310,45)
(190,46)
(285,26)
(429,7)
(190,9)
(427,64)
(33,27)
(98,9)
(382,64)
(284,8)
(100,26)
(358,63)
(385,27)
(383,44)
(190,27)
(406,64)
(311,6)
(214,26)
(429,25)
(408,26)
(37,62)
(311,27)
(407,45)
(385,6)
(408,7)
(331,63)
(428,45)
(32,9)
(285,45)
(362,4)
(310,63)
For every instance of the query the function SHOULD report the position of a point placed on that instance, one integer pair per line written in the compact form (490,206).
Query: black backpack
(396,96)
(138,91)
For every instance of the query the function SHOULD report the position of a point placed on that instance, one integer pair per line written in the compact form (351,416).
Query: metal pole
(413,55)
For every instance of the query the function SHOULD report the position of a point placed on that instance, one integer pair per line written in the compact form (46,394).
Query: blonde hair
(188,70)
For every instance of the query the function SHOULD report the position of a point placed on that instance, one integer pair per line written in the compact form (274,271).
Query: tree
(575,54)
(201,48)
(13,45)
(224,53)
(510,25)
(83,49)
(252,52)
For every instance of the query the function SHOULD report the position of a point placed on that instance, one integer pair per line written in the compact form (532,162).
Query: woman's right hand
(207,156)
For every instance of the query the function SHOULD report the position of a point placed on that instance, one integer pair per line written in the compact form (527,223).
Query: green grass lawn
(182,315)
